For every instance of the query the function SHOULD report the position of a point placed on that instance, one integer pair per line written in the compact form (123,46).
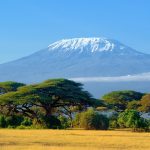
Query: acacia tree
(18,102)
(119,100)
(9,86)
(45,98)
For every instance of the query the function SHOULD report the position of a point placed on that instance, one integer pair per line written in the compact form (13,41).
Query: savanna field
(72,140)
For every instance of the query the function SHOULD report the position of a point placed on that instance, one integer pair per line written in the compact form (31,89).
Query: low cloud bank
(138,77)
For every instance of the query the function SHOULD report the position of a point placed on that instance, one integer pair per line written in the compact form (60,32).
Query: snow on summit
(81,44)
(76,58)
(92,45)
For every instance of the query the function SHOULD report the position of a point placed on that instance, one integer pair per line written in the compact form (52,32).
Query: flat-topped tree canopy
(119,99)
(65,90)
(47,95)
(9,86)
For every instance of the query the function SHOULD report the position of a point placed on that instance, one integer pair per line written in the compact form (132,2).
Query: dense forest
(62,104)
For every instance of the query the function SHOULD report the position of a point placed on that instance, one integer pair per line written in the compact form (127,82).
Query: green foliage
(44,98)
(11,121)
(113,121)
(26,122)
(113,124)
(35,106)
(65,122)
(50,122)
(132,119)
(14,120)
(98,103)
(91,120)
(133,105)
(3,123)
(76,120)
(119,99)
(145,103)
(9,86)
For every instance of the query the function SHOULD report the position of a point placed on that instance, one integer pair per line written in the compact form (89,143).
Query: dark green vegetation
(61,103)
(132,119)
(9,86)
(91,119)
(122,100)
(41,102)
(119,100)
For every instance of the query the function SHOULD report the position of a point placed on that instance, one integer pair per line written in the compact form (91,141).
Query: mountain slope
(79,57)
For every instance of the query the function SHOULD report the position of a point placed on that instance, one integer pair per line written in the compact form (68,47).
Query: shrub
(132,119)
(2,122)
(91,120)
(14,120)
(113,123)
(10,121)
(65,122)
(26,122)
(50,122)
(76,121)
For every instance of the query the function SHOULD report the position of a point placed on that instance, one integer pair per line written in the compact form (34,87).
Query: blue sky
(27,26)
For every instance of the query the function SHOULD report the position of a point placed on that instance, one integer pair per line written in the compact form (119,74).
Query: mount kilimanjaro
(78,57)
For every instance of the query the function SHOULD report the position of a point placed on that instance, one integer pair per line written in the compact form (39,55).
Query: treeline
(61,104)
(122,100)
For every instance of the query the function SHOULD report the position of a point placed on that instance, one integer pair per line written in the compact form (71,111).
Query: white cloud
(138,77)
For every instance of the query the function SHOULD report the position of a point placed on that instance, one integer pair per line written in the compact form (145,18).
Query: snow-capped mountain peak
(92,45)
(78,57)
(82,59)
(82,44)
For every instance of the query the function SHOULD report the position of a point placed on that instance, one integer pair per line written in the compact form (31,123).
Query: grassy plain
(72,140)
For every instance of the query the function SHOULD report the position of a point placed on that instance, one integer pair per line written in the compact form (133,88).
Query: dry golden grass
(72,140)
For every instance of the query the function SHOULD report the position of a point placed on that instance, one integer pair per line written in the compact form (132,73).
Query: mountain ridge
(77,57)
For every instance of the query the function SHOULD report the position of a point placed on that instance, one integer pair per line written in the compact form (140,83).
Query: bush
(113,123)
(65,122)
(132,119)
(2,122)
(50,122)
(76,121)
(91,120)
(10,121)
(26,122)
(14,120)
